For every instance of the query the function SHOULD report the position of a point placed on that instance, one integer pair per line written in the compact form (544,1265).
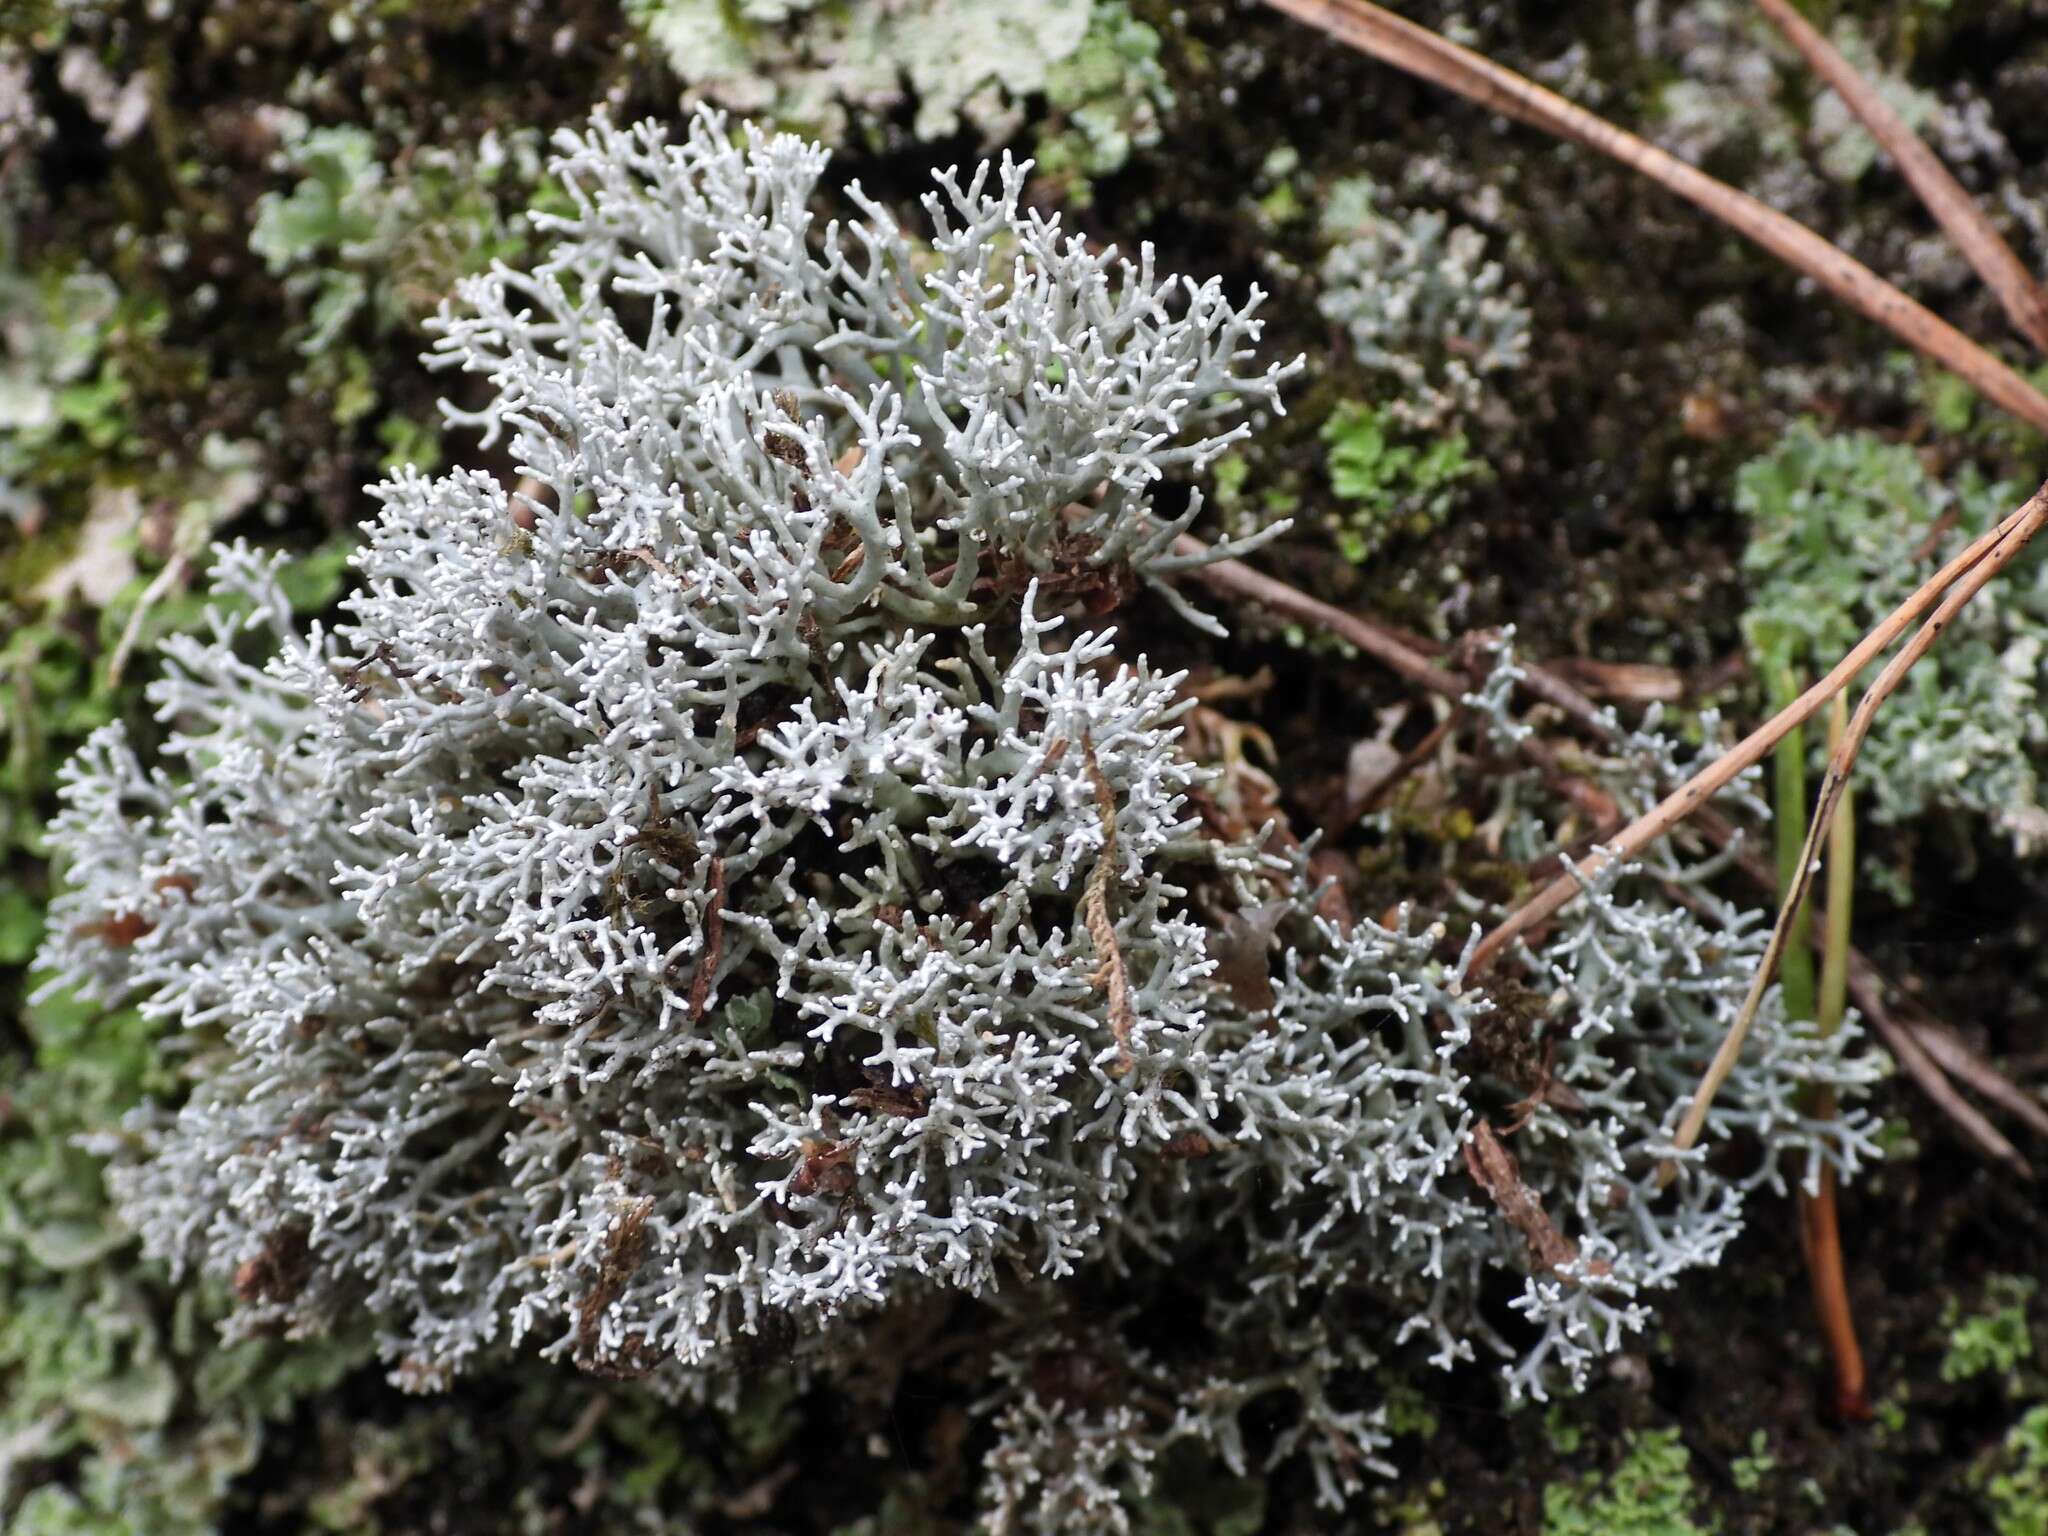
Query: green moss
(1563,1433)
(1650,1494)
(367,250)
(1409,1413)
(1392,486)
(1994,1340)
(1411,1511)
(124,1412)
(1890,1411)
(1751,1471)
(1192,1496)
(1843,526)
(2016,1483)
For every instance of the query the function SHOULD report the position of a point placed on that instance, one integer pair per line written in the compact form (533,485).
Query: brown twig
(1110,973)
(1716,776)
(1953,208)
(1840,763)
(1234,578)
(1423,53)
(1629,682)
(1960,1062)
(1821,1242)
(1820,1232)
(1867,992)
(1866,988)
(1493,1169)
(714,940)
(1376,793)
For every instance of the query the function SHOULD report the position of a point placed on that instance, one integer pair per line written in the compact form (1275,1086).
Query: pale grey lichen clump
(808,62)
(1423,305)
(736,883)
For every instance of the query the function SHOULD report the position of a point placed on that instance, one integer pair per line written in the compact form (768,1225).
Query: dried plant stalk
(1235,579)
(1423,53)
(1957,1059)
(1820,1239)
(1841,761)
(1820,1232)
(1867,990)
(1953,208)
(1110,972)
(1702,786)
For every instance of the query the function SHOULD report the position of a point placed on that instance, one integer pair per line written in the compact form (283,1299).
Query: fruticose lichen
(1423,306)
(733,887)
(811,63)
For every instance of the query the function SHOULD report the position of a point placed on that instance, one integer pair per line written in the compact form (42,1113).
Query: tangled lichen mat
(727,884)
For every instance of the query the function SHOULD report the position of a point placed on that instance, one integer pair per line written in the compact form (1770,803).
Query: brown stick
(1868,994)
(1423,53)
(1717,775)
(714,940)
(1953,208)
(1821,1241)
(1840,763)
(1960,1062)
(1866,991)
(1376,794)
(1820,1231)
(1234,578)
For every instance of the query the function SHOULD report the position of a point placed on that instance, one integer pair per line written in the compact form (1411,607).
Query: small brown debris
(1494,1169)
(1110,973)
(1548,1090)
(600,571)
(120,931)
(843,571)
(714,940)
(784,448)
(1626,682)
(625,1248)
(1329,867)
(277,1273)
(1704,416)
(528,498)
(886,1098)
(826,1168)
(1240,949)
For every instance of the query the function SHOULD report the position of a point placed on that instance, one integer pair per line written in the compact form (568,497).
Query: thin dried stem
(1820,1239)
(1834,965)
(1234,578)
(1953,208)
(1960,1062)
(1752,749)
(1820,1233)
(1840,762)
(714,940)
(1110,972)
(1867,991)
(1423,53)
